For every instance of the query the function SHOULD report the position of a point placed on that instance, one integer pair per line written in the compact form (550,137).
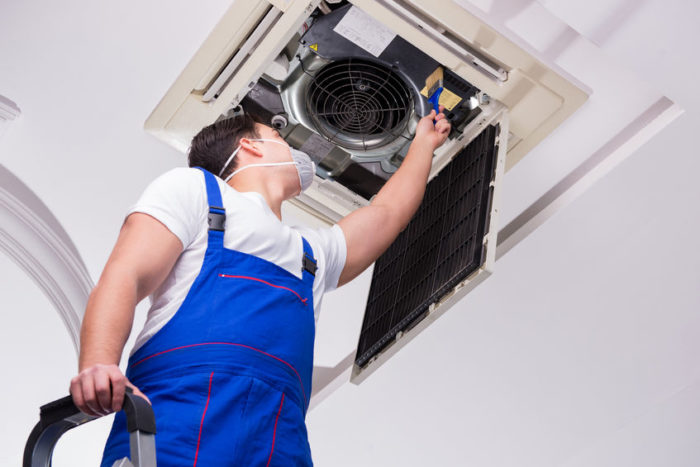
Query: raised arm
(370,230)
(144,254)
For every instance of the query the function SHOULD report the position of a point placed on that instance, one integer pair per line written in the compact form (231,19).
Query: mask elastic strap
(228,161)
(265,164)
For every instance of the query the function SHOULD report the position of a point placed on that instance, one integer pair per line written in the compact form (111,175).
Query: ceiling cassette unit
(345,82)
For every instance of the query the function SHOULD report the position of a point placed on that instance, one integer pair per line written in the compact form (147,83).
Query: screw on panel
(279,121)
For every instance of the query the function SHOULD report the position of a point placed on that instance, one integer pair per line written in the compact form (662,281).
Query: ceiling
(581,348)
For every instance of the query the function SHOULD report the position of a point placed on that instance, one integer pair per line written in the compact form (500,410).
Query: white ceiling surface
(577,352)
(617,94)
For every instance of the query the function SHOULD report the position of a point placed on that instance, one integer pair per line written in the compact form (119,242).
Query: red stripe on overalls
(274,433)
(201,424)
(303,300)
(301,385)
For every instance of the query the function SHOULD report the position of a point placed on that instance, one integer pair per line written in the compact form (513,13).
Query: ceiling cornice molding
(8,109)
(34,239)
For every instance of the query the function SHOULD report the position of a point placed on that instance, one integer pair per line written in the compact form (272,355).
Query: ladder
(59,416)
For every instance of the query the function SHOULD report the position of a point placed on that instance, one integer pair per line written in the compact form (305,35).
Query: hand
(433,134)
(99,390)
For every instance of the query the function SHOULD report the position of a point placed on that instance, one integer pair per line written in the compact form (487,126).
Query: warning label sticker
(364,31)
(314,47)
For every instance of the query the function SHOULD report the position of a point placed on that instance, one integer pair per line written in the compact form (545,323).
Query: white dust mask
(305,166)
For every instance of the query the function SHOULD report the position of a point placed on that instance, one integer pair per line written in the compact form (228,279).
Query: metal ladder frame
(61,415)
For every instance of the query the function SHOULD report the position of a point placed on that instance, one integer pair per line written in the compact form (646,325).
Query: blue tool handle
(435,100)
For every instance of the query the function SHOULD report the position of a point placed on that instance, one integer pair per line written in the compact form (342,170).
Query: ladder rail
(62,415)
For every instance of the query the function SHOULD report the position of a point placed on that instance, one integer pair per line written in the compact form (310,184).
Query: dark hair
(213,145)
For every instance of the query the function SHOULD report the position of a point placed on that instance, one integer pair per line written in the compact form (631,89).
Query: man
(226,353)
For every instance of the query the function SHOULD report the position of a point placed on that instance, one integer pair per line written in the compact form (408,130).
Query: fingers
(434,128)
(76,390)
(435,117)
(99,390)
(138,392)
(87,385)
(440,115)
(442,126)
(119,383)
(103,392)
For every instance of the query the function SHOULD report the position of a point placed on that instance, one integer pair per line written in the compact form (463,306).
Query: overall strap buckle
(216,218)
(309,264)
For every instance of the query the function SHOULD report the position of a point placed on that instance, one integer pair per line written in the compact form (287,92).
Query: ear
(249,147)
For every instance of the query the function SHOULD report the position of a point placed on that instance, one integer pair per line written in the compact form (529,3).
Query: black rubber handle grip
(139,413)
(61,415)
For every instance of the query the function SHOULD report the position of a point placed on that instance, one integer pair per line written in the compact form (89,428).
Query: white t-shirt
(178,199)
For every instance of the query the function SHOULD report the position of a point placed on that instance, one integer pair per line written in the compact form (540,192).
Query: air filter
(441,246)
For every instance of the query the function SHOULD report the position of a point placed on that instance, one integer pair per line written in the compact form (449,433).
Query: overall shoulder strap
(308,263)
(217,214)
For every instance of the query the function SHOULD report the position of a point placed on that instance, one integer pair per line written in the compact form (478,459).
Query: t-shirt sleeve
(176,199)
(335,251)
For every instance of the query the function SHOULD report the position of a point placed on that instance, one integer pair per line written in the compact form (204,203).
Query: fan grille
(358,104)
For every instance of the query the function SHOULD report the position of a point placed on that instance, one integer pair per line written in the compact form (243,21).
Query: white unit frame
(538,97)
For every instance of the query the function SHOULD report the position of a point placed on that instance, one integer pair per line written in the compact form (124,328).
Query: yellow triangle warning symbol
(314,47)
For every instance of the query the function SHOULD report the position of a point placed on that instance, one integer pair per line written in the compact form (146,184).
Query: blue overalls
(229,376)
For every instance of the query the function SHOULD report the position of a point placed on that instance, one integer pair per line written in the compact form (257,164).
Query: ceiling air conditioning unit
(345,82)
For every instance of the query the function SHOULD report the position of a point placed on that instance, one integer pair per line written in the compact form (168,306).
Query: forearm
(388,214)
(393,207)
(403,192)
(108,318)
(144,254)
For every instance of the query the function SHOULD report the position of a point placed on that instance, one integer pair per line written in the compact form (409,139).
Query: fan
(359,104)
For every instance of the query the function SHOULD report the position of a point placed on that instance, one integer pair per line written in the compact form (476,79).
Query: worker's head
(213,145)
(231,146)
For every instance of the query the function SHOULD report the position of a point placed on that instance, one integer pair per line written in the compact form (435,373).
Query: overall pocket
(275,433)
(266,283)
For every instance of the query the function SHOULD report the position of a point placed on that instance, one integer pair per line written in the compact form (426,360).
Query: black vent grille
(441,246)
(359,104)
(459,86)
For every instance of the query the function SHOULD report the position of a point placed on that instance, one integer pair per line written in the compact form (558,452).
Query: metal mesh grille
(441,246)
(359,104)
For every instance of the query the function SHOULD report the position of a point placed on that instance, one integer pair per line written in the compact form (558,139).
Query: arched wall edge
(33,238)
